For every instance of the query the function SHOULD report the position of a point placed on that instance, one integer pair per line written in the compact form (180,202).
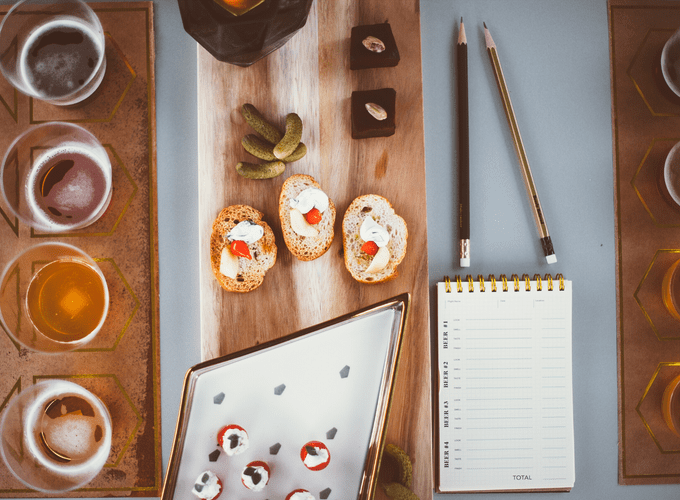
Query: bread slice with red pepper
(358,252)
(248,272)
(310,237)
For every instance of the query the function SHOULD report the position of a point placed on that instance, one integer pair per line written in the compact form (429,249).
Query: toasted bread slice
(305,247)
(357,261)
(263,252)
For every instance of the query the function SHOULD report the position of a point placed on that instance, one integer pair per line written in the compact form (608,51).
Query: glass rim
(72,344)
(36,223)
(98,31)
(74,388)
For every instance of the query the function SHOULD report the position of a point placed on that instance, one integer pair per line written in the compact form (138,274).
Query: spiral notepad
(505,413)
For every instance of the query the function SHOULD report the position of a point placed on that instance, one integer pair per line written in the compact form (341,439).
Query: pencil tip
(461,19)
(485,25)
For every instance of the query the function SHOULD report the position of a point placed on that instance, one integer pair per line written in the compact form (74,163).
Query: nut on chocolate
(373,44)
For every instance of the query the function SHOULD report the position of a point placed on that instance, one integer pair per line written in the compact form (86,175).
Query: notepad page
(505,389)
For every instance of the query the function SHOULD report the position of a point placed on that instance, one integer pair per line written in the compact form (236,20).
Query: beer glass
(670,405)
(53,298)
(55,436)
(56,177)
(53,50)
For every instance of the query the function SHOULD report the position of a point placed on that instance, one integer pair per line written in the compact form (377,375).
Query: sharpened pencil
(539,218)
(463,149)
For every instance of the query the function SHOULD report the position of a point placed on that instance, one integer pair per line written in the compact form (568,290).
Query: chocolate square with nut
(365,124)
(379,51)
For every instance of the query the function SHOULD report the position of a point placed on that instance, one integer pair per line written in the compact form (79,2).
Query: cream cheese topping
(310,198)
(301,495)
(246,231)
(207,486)
(321,457)
(255,478)
(235,441)
(370,230)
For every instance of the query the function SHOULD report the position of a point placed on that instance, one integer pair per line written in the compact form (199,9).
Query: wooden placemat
(646,125)
(122,364)
(310,75)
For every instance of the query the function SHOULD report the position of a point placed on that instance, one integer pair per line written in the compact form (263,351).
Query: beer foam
(63,70)
(72,435)
(77,193)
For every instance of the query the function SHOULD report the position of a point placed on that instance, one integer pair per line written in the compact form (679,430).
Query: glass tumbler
(56,177)
(53,298)
(53,50)
(55,436)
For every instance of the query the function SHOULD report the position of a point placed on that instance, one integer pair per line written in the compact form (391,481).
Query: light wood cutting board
(310,75)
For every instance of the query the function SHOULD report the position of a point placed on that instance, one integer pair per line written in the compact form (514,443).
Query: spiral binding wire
(514,278)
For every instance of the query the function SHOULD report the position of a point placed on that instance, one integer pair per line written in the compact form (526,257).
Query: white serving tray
(331,383)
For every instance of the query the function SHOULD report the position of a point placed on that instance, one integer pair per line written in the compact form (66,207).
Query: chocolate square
(364,125)
(362,58)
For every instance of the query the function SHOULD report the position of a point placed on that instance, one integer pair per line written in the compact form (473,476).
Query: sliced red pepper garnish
(370,247)
(313,216)
(240,249)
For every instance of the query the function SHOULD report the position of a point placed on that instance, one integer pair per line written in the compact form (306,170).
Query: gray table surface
(555,56)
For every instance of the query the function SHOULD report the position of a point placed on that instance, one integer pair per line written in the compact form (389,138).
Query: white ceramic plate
(330,383)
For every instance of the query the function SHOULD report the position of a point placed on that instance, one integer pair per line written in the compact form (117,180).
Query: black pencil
(463,149)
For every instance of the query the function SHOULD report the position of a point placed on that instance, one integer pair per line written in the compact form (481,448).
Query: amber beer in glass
(66,300)
(53,298)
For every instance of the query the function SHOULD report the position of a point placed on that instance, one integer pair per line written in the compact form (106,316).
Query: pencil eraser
(551,259)
(465,262)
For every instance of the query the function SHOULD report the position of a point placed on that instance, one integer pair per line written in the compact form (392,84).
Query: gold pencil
(543,233)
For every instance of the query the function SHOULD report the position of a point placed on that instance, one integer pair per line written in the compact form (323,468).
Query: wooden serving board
(310,75)
(646,125)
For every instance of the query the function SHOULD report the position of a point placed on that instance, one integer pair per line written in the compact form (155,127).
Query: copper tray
(646,124)
(122,364)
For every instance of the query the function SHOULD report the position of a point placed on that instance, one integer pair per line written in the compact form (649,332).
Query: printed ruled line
(500,338)
(498,399)
(502,359)
(500,458)
(497,468)
(504,368)
(501,418)
(500,439)
(505,347)
(496,428)
(500,449)
(500,378)
(481,387)
(498,319)
(496,409)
